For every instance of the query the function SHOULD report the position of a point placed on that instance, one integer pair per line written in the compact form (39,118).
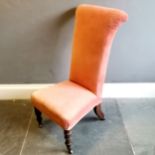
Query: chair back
(95,28)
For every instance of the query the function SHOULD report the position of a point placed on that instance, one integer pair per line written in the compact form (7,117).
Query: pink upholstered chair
(67,102)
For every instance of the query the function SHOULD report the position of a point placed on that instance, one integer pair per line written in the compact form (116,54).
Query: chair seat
(65,103)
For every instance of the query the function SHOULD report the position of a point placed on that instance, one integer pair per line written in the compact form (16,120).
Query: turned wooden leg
(98,112)
(67,136)
(39,117)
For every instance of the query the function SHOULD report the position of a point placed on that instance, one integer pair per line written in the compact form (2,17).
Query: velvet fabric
(68,101)
(95,29)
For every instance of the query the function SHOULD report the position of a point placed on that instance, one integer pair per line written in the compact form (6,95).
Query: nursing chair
(67,102)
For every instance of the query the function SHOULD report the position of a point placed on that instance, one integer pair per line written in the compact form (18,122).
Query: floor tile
(144,150)
(139,120)
(91,136)
(14,118)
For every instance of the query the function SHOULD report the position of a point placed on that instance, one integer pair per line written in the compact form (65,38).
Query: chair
(67,102)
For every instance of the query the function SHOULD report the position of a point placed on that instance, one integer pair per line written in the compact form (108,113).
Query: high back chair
(67,102)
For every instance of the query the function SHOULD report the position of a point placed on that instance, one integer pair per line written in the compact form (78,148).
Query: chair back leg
(98,112)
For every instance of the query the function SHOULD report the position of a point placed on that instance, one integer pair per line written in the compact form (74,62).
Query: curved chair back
(95,28)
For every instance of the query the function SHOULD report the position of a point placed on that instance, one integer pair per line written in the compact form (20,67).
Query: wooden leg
(67,136)
(38,116)
(98,112)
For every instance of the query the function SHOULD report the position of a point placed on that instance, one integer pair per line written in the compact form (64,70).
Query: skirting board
(111,90)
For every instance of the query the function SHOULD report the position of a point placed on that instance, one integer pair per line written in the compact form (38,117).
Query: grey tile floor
(128,130)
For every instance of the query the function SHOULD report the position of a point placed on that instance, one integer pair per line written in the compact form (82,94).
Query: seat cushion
(65,103)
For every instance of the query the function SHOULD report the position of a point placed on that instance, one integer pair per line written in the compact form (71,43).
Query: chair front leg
(98,112)
(67,136)
(38,117)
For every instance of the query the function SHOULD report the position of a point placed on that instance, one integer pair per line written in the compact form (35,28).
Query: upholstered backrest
(95,28)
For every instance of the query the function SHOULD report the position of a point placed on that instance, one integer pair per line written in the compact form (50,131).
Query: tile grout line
(22,147)
(125,128)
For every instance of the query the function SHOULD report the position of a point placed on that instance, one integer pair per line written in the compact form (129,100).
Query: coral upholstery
(95,28)
(68,101)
